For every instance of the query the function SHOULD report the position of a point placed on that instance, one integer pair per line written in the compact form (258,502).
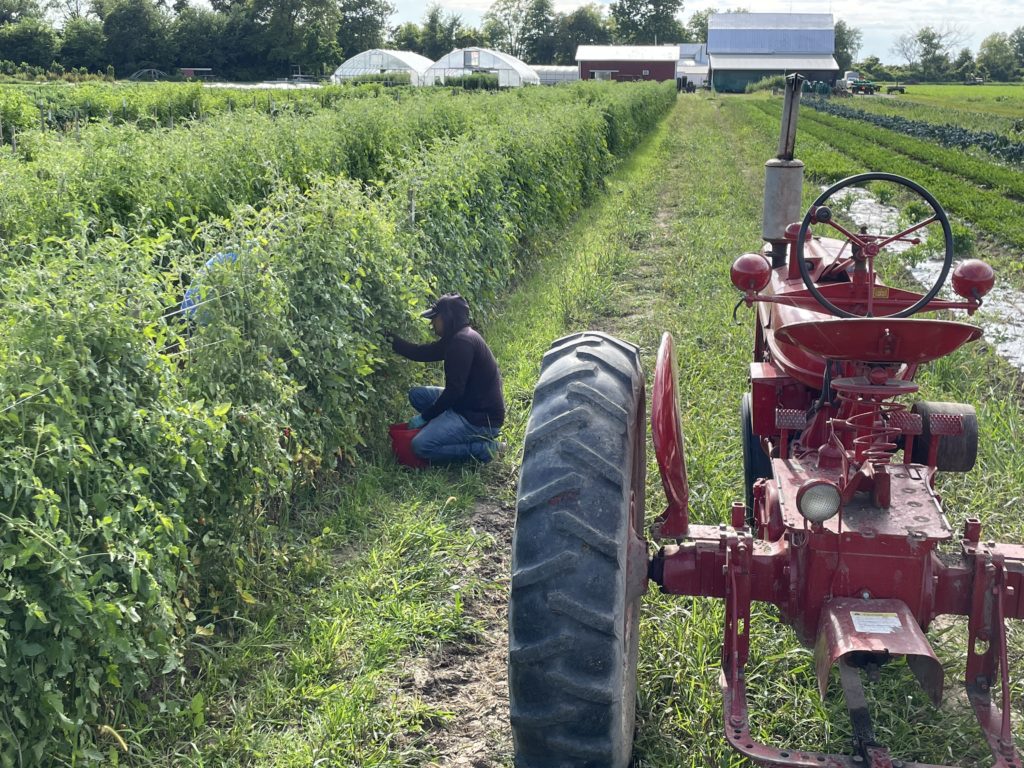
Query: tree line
(937,54)
(252,39)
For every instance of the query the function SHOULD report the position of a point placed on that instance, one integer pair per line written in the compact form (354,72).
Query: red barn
(627,62)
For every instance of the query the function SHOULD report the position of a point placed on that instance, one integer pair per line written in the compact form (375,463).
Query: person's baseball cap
(449,298)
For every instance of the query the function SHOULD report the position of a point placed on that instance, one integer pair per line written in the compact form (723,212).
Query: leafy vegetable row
(996,144)
(981,172)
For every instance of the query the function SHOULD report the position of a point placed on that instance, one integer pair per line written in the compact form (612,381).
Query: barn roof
(771,21)
(627,53)
(773,62)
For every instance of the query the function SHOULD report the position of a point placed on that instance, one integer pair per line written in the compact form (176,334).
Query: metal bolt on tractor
(842,529)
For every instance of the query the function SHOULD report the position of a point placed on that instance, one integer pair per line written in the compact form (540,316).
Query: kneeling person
(461,420)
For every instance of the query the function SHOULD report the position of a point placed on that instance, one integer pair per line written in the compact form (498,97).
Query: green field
(1003,100)
(209,557)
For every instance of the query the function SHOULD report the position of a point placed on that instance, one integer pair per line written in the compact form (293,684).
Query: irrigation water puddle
(1003,307)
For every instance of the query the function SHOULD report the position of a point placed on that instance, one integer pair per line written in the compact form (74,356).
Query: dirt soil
(471,681)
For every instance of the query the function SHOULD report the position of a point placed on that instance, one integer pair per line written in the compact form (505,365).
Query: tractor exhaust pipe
(784,178)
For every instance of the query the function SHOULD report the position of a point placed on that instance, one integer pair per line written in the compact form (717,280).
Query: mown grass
(314,676)
(1005,99)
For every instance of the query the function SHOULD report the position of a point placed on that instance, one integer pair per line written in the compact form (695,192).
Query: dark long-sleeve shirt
(472,383)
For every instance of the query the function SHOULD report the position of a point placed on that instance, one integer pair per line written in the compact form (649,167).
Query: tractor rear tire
(956,454)
(756,463)
(579,561)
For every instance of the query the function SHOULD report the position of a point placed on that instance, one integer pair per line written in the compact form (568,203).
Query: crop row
(987,209)
(975,118)
(823,164)
(987,174)
(147,458)
(118,175)
(996,144)
(109,176)
(55,106)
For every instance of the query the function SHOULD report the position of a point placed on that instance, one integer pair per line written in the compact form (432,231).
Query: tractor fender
(875,628)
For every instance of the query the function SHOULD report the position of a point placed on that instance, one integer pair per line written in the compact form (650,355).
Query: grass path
(391,652)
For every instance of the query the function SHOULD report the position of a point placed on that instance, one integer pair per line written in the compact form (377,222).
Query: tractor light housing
(818,500)
(751,272)
(973,278)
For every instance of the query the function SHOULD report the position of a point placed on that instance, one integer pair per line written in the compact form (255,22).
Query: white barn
(511,72)
(745,47)
(380,61)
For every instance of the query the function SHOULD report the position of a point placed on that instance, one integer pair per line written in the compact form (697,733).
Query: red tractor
(842,529)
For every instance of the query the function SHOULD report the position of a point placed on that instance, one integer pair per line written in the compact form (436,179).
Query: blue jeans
(449,436)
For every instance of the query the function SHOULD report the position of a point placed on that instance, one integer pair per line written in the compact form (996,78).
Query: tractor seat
(878,339)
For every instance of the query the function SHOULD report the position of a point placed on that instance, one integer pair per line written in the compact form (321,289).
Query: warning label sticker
(876,623)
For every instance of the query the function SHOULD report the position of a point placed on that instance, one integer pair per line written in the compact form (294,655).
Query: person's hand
(417,422)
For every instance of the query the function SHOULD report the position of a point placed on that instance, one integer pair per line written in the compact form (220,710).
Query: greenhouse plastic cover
(511,71)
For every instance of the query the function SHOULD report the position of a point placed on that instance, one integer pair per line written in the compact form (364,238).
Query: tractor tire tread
(571,694)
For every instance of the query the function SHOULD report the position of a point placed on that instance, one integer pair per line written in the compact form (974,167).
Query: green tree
(83,44)
(29,41)
(584,26)
(848,41)
(362,25)
(507,24)
(407,37)
(1017,44)
(996,55)
(469,37)
(541,32)
(296,33)
(198,37)
(137,34)
(963,65)
(648,22)
(12,11)
(697,26)
(439,32)
(243,44)
(934,58)
(873,69)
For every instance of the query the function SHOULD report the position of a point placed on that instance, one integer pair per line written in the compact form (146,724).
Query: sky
(880,21)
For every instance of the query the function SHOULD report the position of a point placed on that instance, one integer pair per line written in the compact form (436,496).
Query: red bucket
(401,446)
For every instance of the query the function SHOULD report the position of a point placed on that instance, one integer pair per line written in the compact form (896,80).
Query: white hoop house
(511,71)
(379,61)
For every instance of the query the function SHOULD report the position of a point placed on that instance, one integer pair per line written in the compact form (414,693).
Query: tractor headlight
(818,500)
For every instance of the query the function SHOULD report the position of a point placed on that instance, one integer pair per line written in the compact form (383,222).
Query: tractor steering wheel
(866,246)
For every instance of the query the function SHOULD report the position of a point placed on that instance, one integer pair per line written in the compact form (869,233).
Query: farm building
(550,74)
(693,63)
(511,71)
(379,61)
(746,47)
(627,62)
